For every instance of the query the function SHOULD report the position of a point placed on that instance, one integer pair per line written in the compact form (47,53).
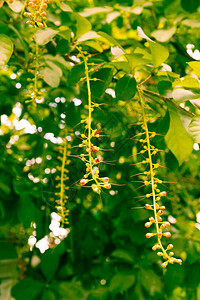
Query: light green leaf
(94,10)
(191,23)
(65,7)
(187,82)
(82,25)
(195,65)
(163,35)
(159,53)
(6,49)
(194,129)
(16,6)
(43,36)
(177,138)
(181,95)
(121,282)
(88,36)
(51,76)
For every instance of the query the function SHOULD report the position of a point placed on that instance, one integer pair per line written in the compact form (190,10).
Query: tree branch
(169,101)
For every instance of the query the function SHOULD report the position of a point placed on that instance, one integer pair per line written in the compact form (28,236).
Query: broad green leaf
(187,82)
(121,282)
(65,7)
(190,6)
(48,295)
(126,87)
(110,40)
(195,65)
(51,77)
(43,36)
(6,50)
(104,78)
(71,290)
(191,23)
(123,254)
(27,288)
(181,95)
(76,73)
(88,36)
(151,282)
(163,35)
(174,276)
(82,25)
(159,53)
(165,88)
(49,263)
(194,129)
(178,140)
(94,10)
(16,6)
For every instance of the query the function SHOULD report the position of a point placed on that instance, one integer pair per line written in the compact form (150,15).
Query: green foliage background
(106,254)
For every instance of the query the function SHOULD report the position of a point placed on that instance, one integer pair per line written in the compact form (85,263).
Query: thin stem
(167,100)
(62,182)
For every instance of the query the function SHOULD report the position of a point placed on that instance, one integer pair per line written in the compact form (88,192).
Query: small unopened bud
(164,265)
(163,194)
(167,234)
(148,235)
(147,224)
(159,253)
(169,247)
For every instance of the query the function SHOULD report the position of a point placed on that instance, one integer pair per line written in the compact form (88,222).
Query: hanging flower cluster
(64,150)
(92,157)
(156,194)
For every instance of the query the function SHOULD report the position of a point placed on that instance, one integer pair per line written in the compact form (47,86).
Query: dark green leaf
(126,87)
(28,288)
(190,6)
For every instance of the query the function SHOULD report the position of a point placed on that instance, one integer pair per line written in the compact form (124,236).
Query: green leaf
(43,36)
(126,87)
(50,261)
(52,74)
(190,6)
(195,65)
(94,10)
(165,88)
(194,129)
(151,282)
(191,23)
(16,6)
(76,73)
(6,50)
(121,282)
(82,25)
(163,35)
(104,78)
(181,95)
(122,254)
(88,36)
(65,7)
(71,290)
(177,138)
(27,288)
(159,53)
(48,295)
